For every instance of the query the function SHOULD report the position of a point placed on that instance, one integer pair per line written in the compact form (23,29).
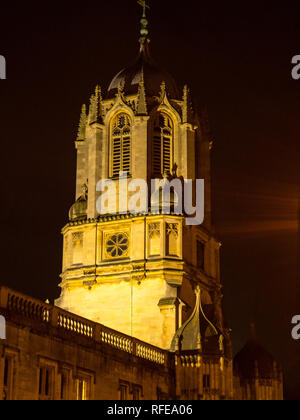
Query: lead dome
(144,68)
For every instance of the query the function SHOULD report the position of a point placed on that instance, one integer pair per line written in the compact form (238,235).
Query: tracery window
(162,145)
(117,245)
(120,145)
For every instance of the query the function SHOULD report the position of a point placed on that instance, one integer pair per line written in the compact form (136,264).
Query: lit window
(121,145)
(162,145)
(82,389)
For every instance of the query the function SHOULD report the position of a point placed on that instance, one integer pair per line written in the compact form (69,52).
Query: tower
(140,273)
(257,376)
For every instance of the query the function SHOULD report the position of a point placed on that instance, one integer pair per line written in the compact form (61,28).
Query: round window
(117,245)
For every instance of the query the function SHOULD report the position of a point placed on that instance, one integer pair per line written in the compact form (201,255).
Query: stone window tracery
(162,145)
(154,230)
(120,145)
(117,245)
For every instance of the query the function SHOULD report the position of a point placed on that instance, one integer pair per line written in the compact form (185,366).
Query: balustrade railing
(34,309)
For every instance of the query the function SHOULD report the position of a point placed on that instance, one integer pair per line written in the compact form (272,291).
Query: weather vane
(144,21)
(144,6)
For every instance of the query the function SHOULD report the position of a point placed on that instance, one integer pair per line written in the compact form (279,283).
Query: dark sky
(236,57)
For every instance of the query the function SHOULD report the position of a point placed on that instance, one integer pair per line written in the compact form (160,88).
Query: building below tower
(51,354)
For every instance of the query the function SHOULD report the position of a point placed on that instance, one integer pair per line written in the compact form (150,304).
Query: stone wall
(52,354)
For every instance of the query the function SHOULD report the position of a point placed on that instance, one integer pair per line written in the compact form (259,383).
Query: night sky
(236,58)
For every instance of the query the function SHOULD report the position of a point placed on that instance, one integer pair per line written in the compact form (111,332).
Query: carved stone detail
(154,230)
(77,238)
(172,229)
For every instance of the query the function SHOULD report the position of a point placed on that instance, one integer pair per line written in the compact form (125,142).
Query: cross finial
(144,6)
(144,21)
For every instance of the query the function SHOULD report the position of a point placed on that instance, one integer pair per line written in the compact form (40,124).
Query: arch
(120,144)
(162,144)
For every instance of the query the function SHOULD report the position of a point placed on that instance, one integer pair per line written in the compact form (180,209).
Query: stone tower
(138,273)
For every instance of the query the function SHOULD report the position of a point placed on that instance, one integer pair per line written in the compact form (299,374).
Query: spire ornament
(82,124)
(120,95)
(85,190)
(95,113)
(141,108)
(144,22)
(187,107)
(121,87)
(163,91)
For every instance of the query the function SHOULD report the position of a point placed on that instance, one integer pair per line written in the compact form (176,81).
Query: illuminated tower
(138,274)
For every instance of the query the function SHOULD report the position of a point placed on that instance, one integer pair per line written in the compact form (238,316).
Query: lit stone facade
(147,288)
(50,354)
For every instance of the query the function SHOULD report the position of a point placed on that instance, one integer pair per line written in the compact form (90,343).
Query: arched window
(162,145)
(120,145)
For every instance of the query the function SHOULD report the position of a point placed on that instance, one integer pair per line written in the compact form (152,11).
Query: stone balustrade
(30,308)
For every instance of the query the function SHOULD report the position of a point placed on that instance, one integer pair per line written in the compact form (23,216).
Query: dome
(253,359)
(79,209)
(144,68)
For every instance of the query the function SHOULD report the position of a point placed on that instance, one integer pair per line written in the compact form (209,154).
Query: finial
(144,22)
(121,87)
(95,111)
(98,92)
(82,124)
(221,343)
(162,91)
(174,170)
(141,102)
(166,174)
(187,106)
(85,190)
(197,290)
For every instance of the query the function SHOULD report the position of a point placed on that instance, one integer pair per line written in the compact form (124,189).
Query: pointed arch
(120,141)
(162,144)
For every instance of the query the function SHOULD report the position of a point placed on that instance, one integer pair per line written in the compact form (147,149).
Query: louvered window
(121,145)
(162,145)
